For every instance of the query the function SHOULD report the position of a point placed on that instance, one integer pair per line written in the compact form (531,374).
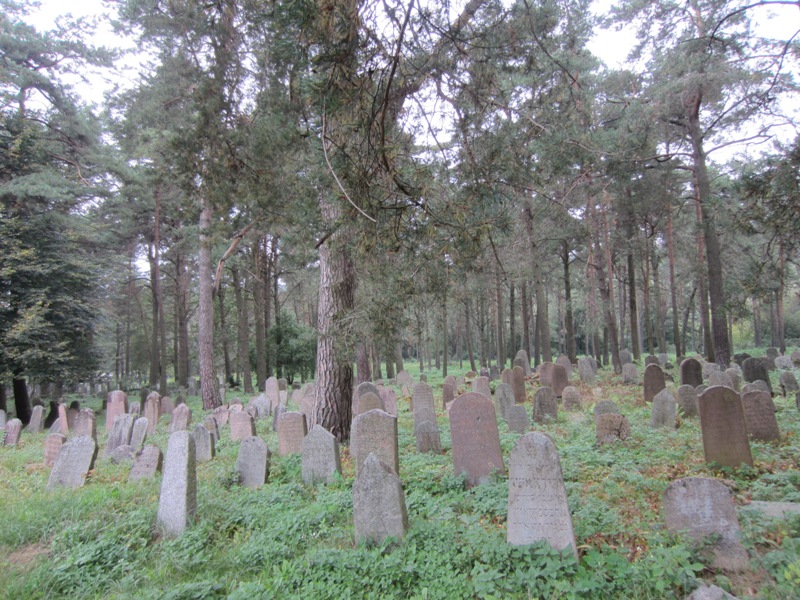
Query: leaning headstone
(571,398)
(152,411)
(704,510)
(537,498)
(610,428)
(220,414)
(147,463)
(242,426)
(375,432)
(404,379)
(52,446)
(517,418)
(475,438)
(276,415)
(788,383)
(63,421)
(262,406)
(139,433)
(691,372)
(204,447)
(181,418)
(426,434)
(321,461)
(481,385)
(586,372)
(736,378)
(37,420)
(724,429)
(177,503)
(73,463)
(630,374)
(625,357)
(754,369)
(506,376)
(389,399)
(291,431)
(135,409)
(664,410)
(759,416)
(545,405)
(423,408)
(504,398)
(653,382)
(379,507)
(252,462)
(687,401)
(116,404)
(210,423)
(518,385)
(55,427)
(120,434)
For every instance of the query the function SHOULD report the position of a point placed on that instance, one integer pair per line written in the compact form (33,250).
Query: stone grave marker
(122,454)
(361,390)
(52,446)
(736,378)
(664,410)
(795,356)
(663,360)
(204,447)
(277,415)
(724,429)
(700,389)
(475,438)
(379,506)
(73,463)
(756,386)
(426,434)
(242,426)
(783,362)
(625,357)
(252,462)
(559,378)
(653,382)
(494,373)
(177,503)
(261,403)
(759,416)
(571,398)
(526,361)
(181,418)
(518,385)
(321,460)
(481,386)
(610,428)
(704,510)
(754,369)
(720,378)
(167,405)
(55,427)
(117,404)
(273,392)
(210,423)
(367,401)
(375,432)
(422,404)
(650,359)
(120,434)
(604,407)
(517,418)
(506,376)
(63,421)
(709,368)
(788,383)
(389,399)
(139,433)
(152,411)
(135,409)
(586,372)
(449,389)
(72,415)
(564,361)
(630,374)
(37,420)
(687,401)
(220,414)
(283,384)
(545,371)
(146,463)
(291,431)
(3,419)
(404,379)
(504,398)
(545,405)
(691,372)
(537,498)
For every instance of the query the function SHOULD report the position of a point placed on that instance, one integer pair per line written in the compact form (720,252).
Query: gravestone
(72,415)
(571,398)
(736,378)
(475,438)
(147,463)
(537,498)
(426,434)
(73,463)
(504,399)
(586,372)
(422,404)
(710,592)
(122,454)
(691,372)
(545,371)
(449,392)
(522,355)
(720,378)
(724,429)
(650,360)
(204,447)
(3,419)
(518,385)
(517,418)
(664,410)
(740,358)
(120,434)
(700,389)
(261,404)
(63,421)
(181,418)
(52,446)
(307,406)
(709,368)
(481,386)
(273,392)
(276,414)
(361,390)
(375,432)
(788,383)
(389,399)
(559,378)
(630,374)
(625,357)
(367,401)
(759,416)
(404,379)
(55,427)
(754,369)
(210,423)
(220,414)
(545,406)
(687,401)
(704,510)
(135,409)
(564,361)
(282,384)
(117,404)
(167,405)
(139,433)
(177,503)
(653,382)
(321,460)
(506,376)
(795,356)
(242,426)
(756,386)
(291,431)
(152,411)
(37,420)
(610,428)
(379,507)
(663,360)
(783,362)
(494,373)
(605,407)
(252,462)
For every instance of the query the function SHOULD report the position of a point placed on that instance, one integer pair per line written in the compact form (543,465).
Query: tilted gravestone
(321,460)
(481,386)
(291,431)
(724,429)
(704,510)
(276,414)
(687,401)
(537,498)
(691,372)
(139,433)
(262,405)
(152,412)
(545,371)
(37,420)
(210,423)
(427,437)
(759,416)
(117,404)
(754,369)
(379,507)
(52,446)
(374,432)
(177,503)
(220,414)
(504,398)
(788,383)
(610,428)
(389,399)
(783,362)
(518,385)
(147,463)
(545,405)
(475,438)
(181,418)
(664,410)
(63,421)
(571,398)
(630,374)
(73,463)
(422,403)
(651,360)
(252,462)
(404,379)
(204,446)
(242,426)
(517,418)
(120,434)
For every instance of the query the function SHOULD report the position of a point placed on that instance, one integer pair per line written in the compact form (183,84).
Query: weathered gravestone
(481,386)
(610,428)
(630,374)
(664,410)
(122,454)
(426,434)
(63,421)
(448,392)
(273,392)
(494,373)
(522,355)
(361,390)
(663,360)
(152,411)
(177,503)
(147,463)
(625,357)
(795,356)
(545,371)
(135,409)
(422,403)
(120,434)
(586,371)
(564,361)
(52,446)
(242,426)
(261,404)
(650,359)
(518,385)
(720,378)
(653,382)
(252,462)
(55,427)
(506,376)
(537,498)
(724,429)
(220,414)
(759,416)
(710,592)
(691,372)
(404,379)
(181,418)
(204,446)
(704,510)
(379,506)
(139,433)
(783,362)
(504,399)
(754,369)
(86,423)
(559,378)
(3,419)
(321,460)
(756,386)
(367,401)
(571,398)
(292,429)
(687,401)
(389,399)
(475,438)
(167,405)
(545,405)
(517,418)
(700,389)
(117,404)
(788,383)
(604,407)
(374,432)
(276,415)
(736,377)
(73,463)
(210,423)
(37,420)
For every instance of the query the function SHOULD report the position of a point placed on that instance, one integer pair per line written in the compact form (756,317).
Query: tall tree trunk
(526,322)
(512,346)
(500,318)
(398,355)
(223,331)
(542,316)
(258,317)
(243,346)
(673,292)
(363,370)
(266,278)
(445,357)
(205,312)
(468,335)
(22,403)
(605,284)
(376,361)
(482,330)
(633,309)
(155,362)
(622,289)
(647,303)
(701,284)
(569,320)
(658,312)
(757,323)
(779,317)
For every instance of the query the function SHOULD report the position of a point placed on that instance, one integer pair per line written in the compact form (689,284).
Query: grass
(290,540)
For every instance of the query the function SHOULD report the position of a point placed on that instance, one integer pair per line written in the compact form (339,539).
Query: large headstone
(252,462)
(611,427)
(704,510)
(664,410)
(52,446)
(630,374)
(379,507)
(291,431)
(152,411)
(321,461)
(422,402)
(545,406)
(37,420)
(754,369)
(73,463)
(475,438)
(204,446)
(242,426)
(181,418)
(518,385)
(177,503)
(724,429)
(537,498)
(139,433)
(586,371)
(759,416)
(147,463)
(117,404)
(375,432)
(653,382)
(120,434)
(426,434)
(691,372)
(687,401)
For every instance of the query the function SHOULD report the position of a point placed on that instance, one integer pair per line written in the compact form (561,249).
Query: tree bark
(243,346)
(22,403)
(258,316)
(779,316)
(468,336)
(542,316)
(634,310)
(569,320)
(605,285)
(445,341)
(500,325)
(658,312)
(673,292)
(223,332)
(526,322)
(209,389)
(363,371)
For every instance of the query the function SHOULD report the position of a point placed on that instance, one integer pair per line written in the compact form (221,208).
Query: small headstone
(181,418)
(63,420)
(586,372)
(605,407)
(704,510)
(291,431)
(506,376)
(152,411)
(630,374)
(754,369)
(37,420)
(783,362)
(252,462)
(756,386)
(379,507)
(375,432)
(545,371)
(517,418)
(664,410)
(427,437)
(120,434)
(146,464)
(220,414)
(122,454)
(504,398)
(135,409)
(283,384)
(537,499)
(625,357)
(210,423)
(55,427)
(448,392)
(177,503)
(663,360)
(724,429)
(611,427)
(481,386)
(564,361)
(117,404)
(759,416)
(242,426)
(736,378)
(494,373)
(788,383)
(650,360)
(321,461)
(522,355)
(167,405)
(653,382)
(73,463)
(475,438)
(139,433)
(795,356)
(691,372)
(276,414)
(261,405)
(518,385)
(545,406)
(404,379)
(52,446)
(571,398)
(559,378)
(389,399)
(422,403)
(700,389)
(687,401)
(720,378)
(204,447)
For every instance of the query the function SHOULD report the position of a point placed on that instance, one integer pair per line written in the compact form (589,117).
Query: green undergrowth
(291,541)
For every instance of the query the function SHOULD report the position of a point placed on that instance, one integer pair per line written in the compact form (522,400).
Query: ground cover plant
(290,540)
